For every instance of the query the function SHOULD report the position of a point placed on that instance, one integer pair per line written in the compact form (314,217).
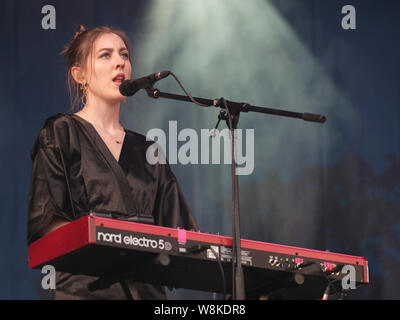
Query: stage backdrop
(332,186)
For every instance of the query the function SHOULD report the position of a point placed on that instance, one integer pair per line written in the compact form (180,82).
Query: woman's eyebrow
(111,49)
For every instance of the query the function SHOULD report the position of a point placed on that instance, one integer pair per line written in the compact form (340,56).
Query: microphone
(130,87)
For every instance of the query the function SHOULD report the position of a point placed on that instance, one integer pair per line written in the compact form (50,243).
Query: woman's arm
(56,223)
(49,205)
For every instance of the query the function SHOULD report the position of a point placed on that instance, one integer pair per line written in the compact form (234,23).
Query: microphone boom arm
(237,106)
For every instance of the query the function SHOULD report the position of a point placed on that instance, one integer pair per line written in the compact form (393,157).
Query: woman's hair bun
(79,30)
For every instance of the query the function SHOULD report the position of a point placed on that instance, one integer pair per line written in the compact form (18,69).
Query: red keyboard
(178,258)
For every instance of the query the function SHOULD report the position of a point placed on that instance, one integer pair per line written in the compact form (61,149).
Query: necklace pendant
(118,142)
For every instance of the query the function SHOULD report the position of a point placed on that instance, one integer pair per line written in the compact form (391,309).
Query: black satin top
(98,182)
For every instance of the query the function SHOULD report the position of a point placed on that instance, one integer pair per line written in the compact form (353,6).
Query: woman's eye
(107,55)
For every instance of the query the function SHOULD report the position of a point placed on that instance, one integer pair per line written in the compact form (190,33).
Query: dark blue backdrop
(335,186)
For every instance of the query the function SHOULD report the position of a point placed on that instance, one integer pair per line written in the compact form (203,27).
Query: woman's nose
(120,62)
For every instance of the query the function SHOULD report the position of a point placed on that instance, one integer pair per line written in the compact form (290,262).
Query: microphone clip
(153,93)
(223,115)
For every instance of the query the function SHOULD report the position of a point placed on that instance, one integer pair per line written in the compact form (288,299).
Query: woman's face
(108,67)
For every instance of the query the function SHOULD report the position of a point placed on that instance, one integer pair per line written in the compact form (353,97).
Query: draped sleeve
(48,196)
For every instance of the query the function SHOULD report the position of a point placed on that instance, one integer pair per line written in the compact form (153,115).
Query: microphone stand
(231,116)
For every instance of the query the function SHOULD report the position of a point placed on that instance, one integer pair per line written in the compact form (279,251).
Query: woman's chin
(122,98)
(117,98)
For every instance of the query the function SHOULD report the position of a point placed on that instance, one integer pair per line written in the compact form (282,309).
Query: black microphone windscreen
(130,87)
(127,89)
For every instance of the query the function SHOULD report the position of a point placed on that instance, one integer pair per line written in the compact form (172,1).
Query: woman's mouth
(118,79)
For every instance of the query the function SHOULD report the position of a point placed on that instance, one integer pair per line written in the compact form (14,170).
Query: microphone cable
(199,249)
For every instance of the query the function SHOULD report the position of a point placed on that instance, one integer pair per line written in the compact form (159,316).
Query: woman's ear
(77,74)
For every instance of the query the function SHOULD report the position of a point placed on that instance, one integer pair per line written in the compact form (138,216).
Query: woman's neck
(102,115)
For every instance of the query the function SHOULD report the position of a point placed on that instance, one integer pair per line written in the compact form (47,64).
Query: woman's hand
(55,224)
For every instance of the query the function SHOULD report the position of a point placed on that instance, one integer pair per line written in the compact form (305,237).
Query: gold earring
(84,93)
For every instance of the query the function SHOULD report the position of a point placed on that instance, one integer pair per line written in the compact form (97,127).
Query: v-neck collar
(116,167)
(100,139)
